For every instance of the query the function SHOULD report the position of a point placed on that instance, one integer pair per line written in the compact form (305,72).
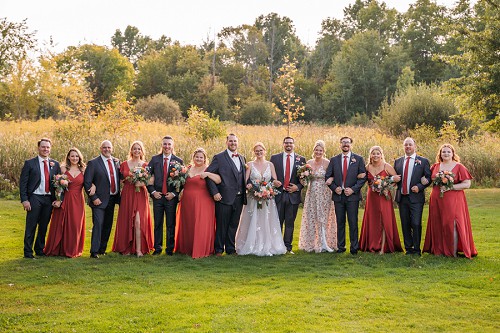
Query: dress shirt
(40,190)
(411,164)
(117,179)
(235,159)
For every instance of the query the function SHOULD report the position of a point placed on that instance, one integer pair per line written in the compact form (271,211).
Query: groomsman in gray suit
(38,197)
(410,195)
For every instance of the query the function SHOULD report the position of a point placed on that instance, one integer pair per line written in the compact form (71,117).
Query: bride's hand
(276,183)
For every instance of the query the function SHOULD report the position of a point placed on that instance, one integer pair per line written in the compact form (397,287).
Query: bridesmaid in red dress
(379,232)
(67,228)
(448,226)
(195,225)
(133,234)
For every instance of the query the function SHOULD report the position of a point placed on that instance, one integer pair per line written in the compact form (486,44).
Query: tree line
(429,66)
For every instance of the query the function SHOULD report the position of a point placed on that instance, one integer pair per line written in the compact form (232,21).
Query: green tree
(18,92)
(160,108)
(15,42)
(119,115)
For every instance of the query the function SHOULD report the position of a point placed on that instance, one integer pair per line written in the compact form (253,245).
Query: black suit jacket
(96,174)
(277,160)
(31,177)
(356,167)
(230,184)
(421,168)
(156,169)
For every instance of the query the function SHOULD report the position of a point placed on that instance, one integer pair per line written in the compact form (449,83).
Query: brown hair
(44,139)
(199,150)
(67,162)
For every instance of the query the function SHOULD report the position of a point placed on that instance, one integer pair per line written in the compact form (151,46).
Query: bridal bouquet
(139,175)
(61,184)
(305,173)
(262,191)
(177,176)
(444,179)
(383,186)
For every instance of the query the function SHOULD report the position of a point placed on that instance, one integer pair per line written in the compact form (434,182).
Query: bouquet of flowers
(139,174)
(61,183)
(383,186)
(177,176)
(305,173)
(262,191)
(444,179)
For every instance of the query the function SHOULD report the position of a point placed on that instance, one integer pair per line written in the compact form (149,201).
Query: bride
(259,232)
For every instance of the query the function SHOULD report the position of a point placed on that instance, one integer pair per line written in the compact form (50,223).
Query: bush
(202,126)
(418,105)
(256,112)
(159,107)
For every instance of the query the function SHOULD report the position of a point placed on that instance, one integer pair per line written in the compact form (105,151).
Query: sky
(74,22)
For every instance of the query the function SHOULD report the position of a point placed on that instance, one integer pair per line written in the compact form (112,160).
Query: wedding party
(231,206)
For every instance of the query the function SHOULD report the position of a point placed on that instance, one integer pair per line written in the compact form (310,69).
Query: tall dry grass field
(18,143)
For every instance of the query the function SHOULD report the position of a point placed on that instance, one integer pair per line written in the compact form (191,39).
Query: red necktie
(165,171)
(287,171)
(112,176)
(47,178)
(405,176)
(344,171)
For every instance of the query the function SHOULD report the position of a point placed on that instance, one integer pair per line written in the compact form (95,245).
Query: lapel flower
(353,160)
(51,163)
(297,158)
(115,160)
(417,161)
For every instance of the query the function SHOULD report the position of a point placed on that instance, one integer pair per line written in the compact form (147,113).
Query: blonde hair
(258,144)
(319,143)
(143,154)
(370,154)
(199,150)
(455,157)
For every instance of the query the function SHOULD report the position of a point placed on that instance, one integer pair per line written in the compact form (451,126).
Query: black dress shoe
(102,253)
(354,252)
(94,255)
(41,254)
(170,253)
(155,253)
(29,256)
(340,250)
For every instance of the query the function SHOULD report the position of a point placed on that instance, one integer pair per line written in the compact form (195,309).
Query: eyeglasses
(288,143)
(346,142)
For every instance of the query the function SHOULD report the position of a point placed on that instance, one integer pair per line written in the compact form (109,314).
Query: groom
(229,195)
(287,202)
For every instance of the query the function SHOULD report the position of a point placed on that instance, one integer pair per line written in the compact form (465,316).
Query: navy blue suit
(412,204)
(286,202)
(41,205)
(163,207)
(103,214)
(347,204)
(228,210)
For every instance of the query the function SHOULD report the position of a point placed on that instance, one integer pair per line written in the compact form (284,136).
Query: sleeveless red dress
(444,213)
(379,215)
(195,225)
(67,228)
(131,203)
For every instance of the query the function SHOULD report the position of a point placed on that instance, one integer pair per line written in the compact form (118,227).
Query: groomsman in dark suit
(415,175)
(165,197)
(346,175)
(287,202)
(103,172)
(38,197)
(229,195)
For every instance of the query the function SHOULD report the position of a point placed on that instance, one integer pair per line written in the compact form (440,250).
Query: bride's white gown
(259,231)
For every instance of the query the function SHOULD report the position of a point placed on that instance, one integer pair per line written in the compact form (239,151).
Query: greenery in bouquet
(305,173)
(383,186)
(445,180)
(177,176)
(139,175)
(61,183)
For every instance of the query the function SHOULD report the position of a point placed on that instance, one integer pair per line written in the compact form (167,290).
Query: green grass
(291,293)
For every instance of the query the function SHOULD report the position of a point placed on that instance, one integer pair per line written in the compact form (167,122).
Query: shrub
(202,126)
(159,108)
(256,112)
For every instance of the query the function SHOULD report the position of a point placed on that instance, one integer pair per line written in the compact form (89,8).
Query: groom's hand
(26,205)
(217,197)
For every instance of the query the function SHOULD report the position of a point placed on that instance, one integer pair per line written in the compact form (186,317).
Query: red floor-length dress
(444,213)
(195,227)
(379,216)
(67,227)
(131,203)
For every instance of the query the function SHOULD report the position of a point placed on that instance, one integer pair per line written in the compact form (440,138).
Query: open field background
(481,154)
(290,293)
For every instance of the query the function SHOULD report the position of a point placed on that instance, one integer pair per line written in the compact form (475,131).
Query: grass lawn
(291,293)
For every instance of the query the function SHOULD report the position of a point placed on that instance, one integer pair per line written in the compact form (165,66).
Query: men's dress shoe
(155,253)
(94,255)
(170,253)
(340,250)
(354,252)
(29,256)
(102,253)
(41,254)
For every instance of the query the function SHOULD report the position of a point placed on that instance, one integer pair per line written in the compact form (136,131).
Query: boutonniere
(172,162)
(115,160)
(418,162)
(297,159)
(51,164)
(353,160)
